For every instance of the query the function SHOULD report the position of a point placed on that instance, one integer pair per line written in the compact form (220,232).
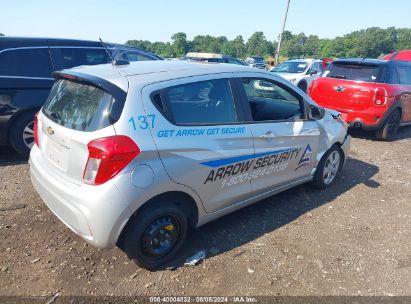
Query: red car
(400,55)
(371,94)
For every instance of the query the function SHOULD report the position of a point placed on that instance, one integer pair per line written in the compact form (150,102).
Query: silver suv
(300,72)
(133,155)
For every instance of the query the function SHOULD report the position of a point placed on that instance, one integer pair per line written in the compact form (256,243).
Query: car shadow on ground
(403,133)
(9,157)
(252,222)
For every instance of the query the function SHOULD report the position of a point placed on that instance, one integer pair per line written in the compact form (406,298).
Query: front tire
(156,235)
(390,128)
(328,168)
(21,134)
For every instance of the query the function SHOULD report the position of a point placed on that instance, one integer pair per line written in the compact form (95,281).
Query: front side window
(201,103)
(271,102)
(66,58)
(316,68)
(26,63)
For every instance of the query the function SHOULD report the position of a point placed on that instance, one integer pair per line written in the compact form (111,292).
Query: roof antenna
(114,62)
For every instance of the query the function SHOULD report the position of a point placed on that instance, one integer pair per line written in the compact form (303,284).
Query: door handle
(268,136)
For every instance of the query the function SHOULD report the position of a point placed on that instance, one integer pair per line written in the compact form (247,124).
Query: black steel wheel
(155,235)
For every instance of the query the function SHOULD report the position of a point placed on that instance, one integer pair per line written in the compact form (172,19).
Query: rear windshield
(359,72)
(78,106)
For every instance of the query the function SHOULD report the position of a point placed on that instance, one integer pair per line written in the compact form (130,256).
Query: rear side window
(133,56)
(358,72)
(26,62)
(391,75)
(65,58)
(201,103)
(78,106)
(404,74)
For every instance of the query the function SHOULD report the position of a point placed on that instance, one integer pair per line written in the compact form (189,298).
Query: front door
(285,141)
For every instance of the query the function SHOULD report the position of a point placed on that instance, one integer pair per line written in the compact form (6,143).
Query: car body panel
(354,99)
(170,163)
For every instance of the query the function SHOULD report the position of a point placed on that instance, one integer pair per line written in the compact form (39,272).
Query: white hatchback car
(300,72)
(134,154)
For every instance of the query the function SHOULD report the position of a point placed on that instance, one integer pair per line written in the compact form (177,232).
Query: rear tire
(21,134)
(155,235)
(390,128)
(328,168)
(302,86)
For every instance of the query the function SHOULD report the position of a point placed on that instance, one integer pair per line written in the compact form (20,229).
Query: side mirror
(313,72)
(316,113)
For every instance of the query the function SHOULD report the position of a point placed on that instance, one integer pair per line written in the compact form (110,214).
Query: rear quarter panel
(141,135)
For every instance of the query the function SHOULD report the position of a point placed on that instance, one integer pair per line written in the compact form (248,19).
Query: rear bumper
(369,120)
(96,213)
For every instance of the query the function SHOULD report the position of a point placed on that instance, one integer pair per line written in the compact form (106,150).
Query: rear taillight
(35,129)
(380,96)
(107,157)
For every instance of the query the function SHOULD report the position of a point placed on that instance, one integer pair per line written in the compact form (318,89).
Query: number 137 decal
(142,122)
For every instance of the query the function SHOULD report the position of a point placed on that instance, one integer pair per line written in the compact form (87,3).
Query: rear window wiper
(53,116)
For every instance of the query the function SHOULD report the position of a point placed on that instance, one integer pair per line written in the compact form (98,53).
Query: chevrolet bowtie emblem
(50,130)
(339,89)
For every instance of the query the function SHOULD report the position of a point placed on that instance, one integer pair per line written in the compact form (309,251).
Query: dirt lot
(353,239)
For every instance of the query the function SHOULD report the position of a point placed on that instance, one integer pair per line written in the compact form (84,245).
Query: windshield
(291,67)
(358,72)
(258,59)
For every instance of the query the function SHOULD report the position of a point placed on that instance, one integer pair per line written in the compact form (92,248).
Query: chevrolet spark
(134,154)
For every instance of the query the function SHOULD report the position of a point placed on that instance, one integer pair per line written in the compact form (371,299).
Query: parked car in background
(400,55)
(256,62)
(300,72)
(26,67)
(371,94)
(211,57)
(135,158)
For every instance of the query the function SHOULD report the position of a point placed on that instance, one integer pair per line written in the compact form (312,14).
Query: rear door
(195,126)
(68,57)
(285,142)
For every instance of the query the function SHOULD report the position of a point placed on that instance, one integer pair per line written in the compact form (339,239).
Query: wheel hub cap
(332,165)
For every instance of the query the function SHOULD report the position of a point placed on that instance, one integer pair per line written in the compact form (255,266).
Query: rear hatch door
(345,86)
(76,112)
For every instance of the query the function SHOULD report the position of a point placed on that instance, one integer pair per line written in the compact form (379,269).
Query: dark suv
(26,67)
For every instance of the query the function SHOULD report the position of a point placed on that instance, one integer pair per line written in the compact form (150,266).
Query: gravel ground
(352,239)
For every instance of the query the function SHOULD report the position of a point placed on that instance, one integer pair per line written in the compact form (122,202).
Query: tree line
(371,42)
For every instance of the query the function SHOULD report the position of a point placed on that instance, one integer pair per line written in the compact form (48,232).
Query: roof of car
(174,66)
(8,41)
(145,72)
(360,60)
(16,42)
